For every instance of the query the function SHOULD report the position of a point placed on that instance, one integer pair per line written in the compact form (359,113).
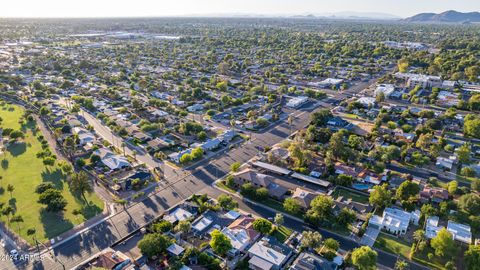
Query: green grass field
(349,195)
(282,233)
(392,245)
(21,168)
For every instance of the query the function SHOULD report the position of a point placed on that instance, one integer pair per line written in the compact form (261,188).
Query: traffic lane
(105,234)
(424,175)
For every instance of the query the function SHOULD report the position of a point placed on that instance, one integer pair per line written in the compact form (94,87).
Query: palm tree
(17,219)
(10,189)
(32,232)
(401,265)
(123,147)
(232,124)
(290,122)
(7,211)
(80,183)
(184,227)
(419,236)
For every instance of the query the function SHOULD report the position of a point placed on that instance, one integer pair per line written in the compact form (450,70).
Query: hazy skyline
(151,8)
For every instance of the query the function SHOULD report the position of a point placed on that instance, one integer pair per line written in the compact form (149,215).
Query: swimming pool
(360,186)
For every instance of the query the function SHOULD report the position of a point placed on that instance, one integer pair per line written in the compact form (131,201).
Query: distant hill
(450,16)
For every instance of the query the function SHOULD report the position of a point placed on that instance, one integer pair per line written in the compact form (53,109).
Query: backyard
(21,168)
(347,194)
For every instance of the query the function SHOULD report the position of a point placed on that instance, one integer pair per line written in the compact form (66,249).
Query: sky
(153,8)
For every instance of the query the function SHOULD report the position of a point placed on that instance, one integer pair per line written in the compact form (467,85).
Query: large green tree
(364,258)
(220,243)
(443,244)
(262,226)
(472,257)
(80,183)
(153,244)
(380,196)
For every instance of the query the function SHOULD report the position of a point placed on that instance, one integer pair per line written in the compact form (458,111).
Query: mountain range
(450,16)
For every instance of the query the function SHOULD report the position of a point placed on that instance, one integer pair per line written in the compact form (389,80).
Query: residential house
(210,145)
(175,250)
(445,163)
(341,168)
(227,135)
(125,183)
(447,98)
(175,157)
(241,234)
(110,259)
(361,209)
(405,137)
(296,102)
(386,89)
(179,214)
(367,176)
(367,101)
(158,144)
(211,220)
(265,256)
(260,180)
(425,81)
(330,82)
(84,136)
(304,197)
(395,221)
(431,227)
(111,160)
(310,261)
(195,107)
(433,194)
(460,232)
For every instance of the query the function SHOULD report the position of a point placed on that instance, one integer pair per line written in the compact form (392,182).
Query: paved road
(180,185)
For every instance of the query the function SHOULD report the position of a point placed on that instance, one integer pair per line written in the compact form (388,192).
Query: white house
(296,102)
(210,144)
(175,157)
(386,89)
(111,160)
(420,79)
(431,227)
(263,257)
(84,136)
(195,107)
(395,221)
(366,101)
(460,232)
(178,214)
(238,238)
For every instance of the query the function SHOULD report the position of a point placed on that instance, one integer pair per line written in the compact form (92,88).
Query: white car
(14,254)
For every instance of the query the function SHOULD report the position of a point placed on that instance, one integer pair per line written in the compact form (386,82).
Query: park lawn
(21,168)
(282,233)
(392,245)
(347,194)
